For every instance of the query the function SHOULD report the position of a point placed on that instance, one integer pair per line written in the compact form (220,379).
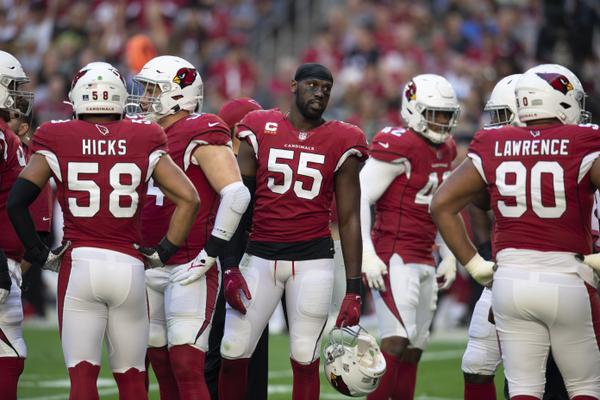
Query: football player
(12,161)
(293,163)
(482,355)
(232,112)
(101,164)
(541,180)
(182,295)
(41,209)
(405,169)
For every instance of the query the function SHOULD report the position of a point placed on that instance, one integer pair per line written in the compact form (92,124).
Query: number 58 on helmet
(354,364)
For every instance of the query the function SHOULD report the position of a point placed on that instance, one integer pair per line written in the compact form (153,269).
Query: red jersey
(403,224)
(12,161)
(101,172)
(539,184)
(295,174)
(184,136)
(41,209)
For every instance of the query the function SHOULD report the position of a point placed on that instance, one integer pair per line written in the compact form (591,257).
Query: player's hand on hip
(349,314)
(194,270)
(481,270)
(234,285)
(446,272)
(591,260)
(54,257)
(373,269)
(157,256)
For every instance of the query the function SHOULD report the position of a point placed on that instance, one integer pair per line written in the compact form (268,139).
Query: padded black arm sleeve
(234,249)
(22,194)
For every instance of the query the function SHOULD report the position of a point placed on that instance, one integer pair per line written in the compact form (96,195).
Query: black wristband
(214,246)
(353,285)
(485,250)
(37,255)
(166,250)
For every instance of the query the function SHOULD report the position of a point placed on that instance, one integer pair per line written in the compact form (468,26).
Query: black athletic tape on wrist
(353,285)
(166,249)
(214,246)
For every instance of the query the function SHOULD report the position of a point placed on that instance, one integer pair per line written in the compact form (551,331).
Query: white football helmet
(98,88)
(165,85)
(354,364)
(502,105)
(551,91)
(12,77)
(423,97)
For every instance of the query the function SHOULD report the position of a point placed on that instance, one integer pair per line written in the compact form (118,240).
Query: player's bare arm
(347,193)
(458,190)
(24,192)
(220,168)
(178,188)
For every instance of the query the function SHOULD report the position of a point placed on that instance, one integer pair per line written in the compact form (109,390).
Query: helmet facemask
(145,100)
(499,116)
(15,96)
(436,130)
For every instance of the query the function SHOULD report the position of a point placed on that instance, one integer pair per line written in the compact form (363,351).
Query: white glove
(373,268)
(481,270)
(194,270)
(3,295)
(446,272)
(591,260)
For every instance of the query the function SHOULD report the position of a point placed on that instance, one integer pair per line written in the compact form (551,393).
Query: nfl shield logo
(439,154)
(302,135)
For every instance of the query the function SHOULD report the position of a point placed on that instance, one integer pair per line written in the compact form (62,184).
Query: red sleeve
(248,129)
(42,139)
(158,138)
(390,144)
(213,131)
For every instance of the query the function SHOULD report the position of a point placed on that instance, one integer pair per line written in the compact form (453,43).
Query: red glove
(349,311)
(233,282)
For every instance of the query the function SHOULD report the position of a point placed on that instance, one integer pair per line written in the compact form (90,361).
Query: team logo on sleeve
(411,91)
(557,81)
(185,77)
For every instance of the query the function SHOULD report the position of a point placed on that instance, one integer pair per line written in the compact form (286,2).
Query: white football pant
(482,355)
(536,310)
(414,292)
(11,317)
(102,294)
(181,314)
(308,286)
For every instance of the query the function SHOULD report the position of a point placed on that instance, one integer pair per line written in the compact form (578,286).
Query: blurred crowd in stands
(372,47)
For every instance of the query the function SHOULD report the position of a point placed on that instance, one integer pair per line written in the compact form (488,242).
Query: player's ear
(294,86)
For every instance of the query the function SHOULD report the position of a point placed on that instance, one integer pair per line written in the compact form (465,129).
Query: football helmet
(354,364)
(551,91)
(502,105)
(165,85)
(12,77)
(98,88)
(422,98)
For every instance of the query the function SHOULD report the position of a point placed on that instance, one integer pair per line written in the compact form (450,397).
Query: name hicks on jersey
(536,147)
(104,147)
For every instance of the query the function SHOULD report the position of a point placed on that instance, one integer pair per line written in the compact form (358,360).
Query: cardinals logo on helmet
(411,91)
(78,77)
(185,77)
(339,384)
(557,81)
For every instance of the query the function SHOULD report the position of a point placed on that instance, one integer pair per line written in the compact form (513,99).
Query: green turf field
(45,376)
